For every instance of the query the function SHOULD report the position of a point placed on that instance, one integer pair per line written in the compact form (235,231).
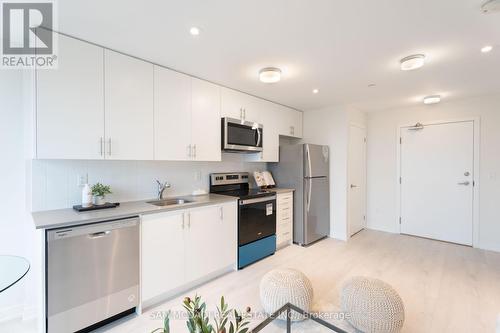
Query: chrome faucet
(161,188)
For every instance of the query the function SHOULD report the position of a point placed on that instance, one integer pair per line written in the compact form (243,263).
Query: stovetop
(247,193)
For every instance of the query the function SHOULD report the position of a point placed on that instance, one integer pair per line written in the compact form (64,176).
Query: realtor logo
(27,35)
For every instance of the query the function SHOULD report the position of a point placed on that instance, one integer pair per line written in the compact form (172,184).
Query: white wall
(382,168)
(16,231)
(55,181)
(330,126)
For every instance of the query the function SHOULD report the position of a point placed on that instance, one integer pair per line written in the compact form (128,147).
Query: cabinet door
(270,139)
(228,236)
(205,121)
(162,253)
(172,116)
(70,103)
(128,108)
(202,242)
(231,103)
(290,122)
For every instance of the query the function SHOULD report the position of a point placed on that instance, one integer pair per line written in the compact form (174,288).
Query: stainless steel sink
(169,202)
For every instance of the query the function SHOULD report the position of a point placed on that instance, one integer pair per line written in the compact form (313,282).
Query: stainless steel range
(256,216)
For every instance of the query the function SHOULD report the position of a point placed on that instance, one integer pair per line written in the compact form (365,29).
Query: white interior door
(357,179)
(437,181)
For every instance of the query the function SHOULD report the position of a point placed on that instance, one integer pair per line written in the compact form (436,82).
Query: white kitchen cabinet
(270,139)
(185,246)
(202,255)
(205,121)
(284,219)
(290,122)
(172,115)
(70,103)
(163,259)
(240,106)
(128,107)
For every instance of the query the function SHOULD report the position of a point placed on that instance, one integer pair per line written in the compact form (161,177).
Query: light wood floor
(445,287)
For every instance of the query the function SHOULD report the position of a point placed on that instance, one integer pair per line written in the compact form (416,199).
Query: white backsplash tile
(55,181)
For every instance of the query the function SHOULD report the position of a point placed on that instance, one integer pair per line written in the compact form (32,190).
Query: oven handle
(256,200)
(258,137)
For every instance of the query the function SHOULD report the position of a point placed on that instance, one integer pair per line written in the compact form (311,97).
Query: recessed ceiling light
(487,49)
(270,75)
(194,31)
(315,91)
(371,85)
(434,99)
(412,62)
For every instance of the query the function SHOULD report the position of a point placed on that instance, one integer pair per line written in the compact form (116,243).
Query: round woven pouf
(372,306)
(281,286)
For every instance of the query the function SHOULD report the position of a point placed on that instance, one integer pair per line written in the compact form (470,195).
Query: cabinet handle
(292,130)
(222,213)
(189,220)
(101,146)
(109,146)
(183,218)
(189,151)
(244,114)
(194,151)
(241,113)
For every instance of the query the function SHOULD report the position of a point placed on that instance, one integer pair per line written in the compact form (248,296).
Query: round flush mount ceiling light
(487,49)
(434,99)
(491,6)
(315,91)
(412,62)
(270,75)
(195,31)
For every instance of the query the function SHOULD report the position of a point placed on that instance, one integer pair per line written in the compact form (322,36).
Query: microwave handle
(259,137)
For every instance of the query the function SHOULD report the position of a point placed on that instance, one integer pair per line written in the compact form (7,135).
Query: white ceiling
(336,46)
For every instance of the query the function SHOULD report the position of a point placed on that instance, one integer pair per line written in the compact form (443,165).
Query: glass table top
(12,269)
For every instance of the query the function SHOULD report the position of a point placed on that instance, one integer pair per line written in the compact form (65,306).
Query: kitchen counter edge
(60,218)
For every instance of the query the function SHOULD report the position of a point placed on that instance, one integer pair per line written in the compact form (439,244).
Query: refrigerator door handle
(309,194)
(308,153)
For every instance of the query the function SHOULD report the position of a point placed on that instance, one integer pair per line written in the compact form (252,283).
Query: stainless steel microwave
(241,136)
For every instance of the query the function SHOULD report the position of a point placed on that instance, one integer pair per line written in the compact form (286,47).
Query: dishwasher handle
(99,234)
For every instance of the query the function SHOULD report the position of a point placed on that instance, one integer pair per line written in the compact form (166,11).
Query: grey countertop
(60,218)
(69,217)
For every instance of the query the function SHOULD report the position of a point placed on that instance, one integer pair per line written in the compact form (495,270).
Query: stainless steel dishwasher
(92,274)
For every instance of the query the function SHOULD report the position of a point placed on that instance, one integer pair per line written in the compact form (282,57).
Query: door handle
(353,186)
(101,144)
(466,183)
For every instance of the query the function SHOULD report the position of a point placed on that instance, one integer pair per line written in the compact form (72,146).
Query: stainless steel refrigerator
(305,168)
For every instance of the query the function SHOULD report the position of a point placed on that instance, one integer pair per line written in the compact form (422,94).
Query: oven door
(256,219)
(241,135)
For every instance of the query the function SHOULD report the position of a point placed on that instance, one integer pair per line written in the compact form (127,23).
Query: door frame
(476,165)
(365,223)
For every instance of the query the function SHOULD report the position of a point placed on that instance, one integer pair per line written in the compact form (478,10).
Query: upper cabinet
(290,122)
(240,106)
(70,103)
(128,107)
(187,118)
(101,104)
(205,121)
(172,115)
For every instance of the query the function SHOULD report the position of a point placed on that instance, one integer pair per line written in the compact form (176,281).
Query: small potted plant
(99,192)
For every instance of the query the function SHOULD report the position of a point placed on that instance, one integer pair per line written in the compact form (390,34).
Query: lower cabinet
(184,246)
